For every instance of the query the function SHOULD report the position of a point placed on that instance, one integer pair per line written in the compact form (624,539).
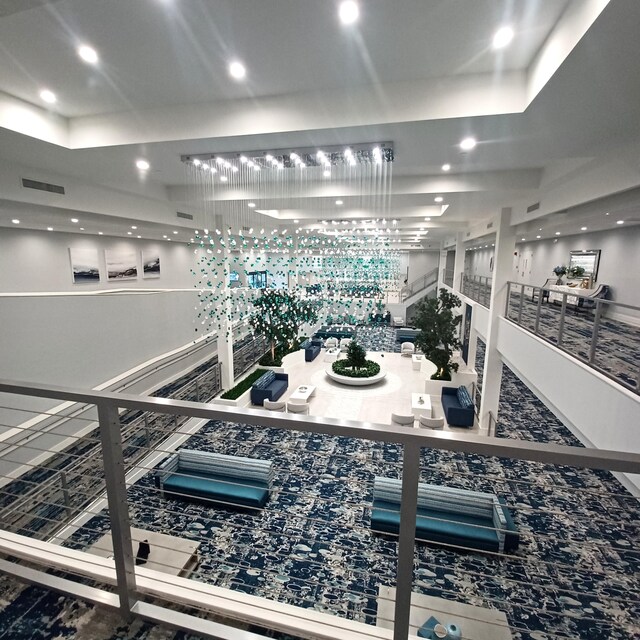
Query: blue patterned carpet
(576,574)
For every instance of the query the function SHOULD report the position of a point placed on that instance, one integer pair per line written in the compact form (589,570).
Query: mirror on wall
(587,260)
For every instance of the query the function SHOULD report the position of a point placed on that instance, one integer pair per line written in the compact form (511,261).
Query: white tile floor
(366,404)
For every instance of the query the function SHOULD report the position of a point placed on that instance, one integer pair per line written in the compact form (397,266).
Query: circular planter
(355,382)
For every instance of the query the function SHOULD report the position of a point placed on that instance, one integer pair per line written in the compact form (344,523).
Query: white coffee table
(169,554)
(421,404)
(416,361)
(302,393)
(474,622)
(331,355)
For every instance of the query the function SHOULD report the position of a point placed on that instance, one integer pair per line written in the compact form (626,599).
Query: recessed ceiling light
(339,202)
(133,226)
(583,228)
(523,239)
(326,173)
(143,165)
(81,228)
(165,237)
(129,233)
(100,233)
(557,233)
(620,222)
(88,54)
(427,219)
(138,236)
(237,70)
(74,220)
(48,96)
(438,198)
(251,205)
(606,214)
(446,167)
(223,178)
(175,233)
(15,221)
(49,228)
(468,143)
(296,221)
(348,12)
(538,237)
(502,37)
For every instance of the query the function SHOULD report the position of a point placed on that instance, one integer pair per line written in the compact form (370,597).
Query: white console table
(556,292)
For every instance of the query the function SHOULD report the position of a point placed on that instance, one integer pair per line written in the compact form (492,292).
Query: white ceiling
(156,54)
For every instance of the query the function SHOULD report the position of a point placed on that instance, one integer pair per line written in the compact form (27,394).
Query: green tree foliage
(439,328)
(278,315)
(356,356)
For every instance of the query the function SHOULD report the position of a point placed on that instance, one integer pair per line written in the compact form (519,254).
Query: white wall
(421,262)
(479,262)
(39,261)
(600,413)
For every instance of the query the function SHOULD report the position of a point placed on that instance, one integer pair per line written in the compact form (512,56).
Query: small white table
(331,355)
(416,361)
(302,393)
(421,404)
(169,554)
(474,622)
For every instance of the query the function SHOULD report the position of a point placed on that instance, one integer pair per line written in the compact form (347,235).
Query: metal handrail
(128,582)
(600,305)
(420,284)
(477,288)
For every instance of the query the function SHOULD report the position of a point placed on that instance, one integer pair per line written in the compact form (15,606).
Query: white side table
(416,361)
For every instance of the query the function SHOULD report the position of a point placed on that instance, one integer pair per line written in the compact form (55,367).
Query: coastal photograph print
(84,265)
(150,263)
(121,264)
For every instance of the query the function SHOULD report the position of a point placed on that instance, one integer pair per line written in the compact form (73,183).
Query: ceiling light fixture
(15,221)
(446,167)
(348,12)
(427,219)
(175,233)
(223,178)
(74,220)
(326,173)
(502,37)
(620,222)
(583,228)
(557,233)
(468,144)
(143,165)
(49,228)
(251,205)
(237,70)
(48,96)
(133,226)
(88,54)
(100,233)
(438,198)
(538,237)
(339,202)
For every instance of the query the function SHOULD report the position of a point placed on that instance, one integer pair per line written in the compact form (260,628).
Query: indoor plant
(438,337)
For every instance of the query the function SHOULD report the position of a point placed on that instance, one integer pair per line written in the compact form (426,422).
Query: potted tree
(278,315)
(439,328)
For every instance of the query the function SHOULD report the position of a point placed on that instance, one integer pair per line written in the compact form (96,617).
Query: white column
(458,266)
(225,333)
(502,267)
(441,267)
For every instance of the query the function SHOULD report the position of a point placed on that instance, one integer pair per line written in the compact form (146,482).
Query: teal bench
(448,516)
(214,477)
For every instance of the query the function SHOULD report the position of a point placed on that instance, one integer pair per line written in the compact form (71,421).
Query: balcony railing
(447,277)
(309,563)
(477,288)
(585,328)
(420,284)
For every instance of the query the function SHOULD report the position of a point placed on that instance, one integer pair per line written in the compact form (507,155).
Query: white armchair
(331,343)
(400,420)
(407,349)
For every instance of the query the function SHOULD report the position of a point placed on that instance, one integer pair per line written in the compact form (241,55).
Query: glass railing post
(538,310)
(594,335)
(116,485)
(406,540)
(521,304)
(563,312)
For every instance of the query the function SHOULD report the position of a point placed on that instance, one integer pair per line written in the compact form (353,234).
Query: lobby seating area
(269,386)
(458,406)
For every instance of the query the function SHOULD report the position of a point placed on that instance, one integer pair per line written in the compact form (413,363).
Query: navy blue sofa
(406,334)
(311,350)
(457,412)
(212,477)
(269,386)
(448,516)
